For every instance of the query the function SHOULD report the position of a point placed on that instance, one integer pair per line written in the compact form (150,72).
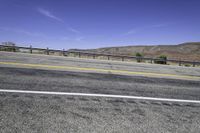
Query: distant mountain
(184,51)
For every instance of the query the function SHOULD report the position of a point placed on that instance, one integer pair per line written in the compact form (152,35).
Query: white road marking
(100,95)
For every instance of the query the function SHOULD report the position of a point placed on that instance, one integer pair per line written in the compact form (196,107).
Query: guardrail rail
(63,52)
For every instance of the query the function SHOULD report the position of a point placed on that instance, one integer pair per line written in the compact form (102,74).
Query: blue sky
(99,23)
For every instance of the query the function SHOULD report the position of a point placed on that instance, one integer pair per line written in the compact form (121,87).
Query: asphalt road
(54,113)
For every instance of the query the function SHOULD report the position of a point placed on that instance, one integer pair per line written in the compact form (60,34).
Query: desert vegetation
(162,59)
(139,57)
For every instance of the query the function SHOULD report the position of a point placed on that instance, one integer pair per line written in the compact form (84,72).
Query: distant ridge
(184,51)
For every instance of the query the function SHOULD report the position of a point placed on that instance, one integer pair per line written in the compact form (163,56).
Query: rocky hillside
(185,51)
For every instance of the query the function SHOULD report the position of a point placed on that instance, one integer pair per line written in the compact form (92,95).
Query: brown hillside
(185,51)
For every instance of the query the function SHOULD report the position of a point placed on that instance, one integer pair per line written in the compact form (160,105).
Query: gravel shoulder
(102,64)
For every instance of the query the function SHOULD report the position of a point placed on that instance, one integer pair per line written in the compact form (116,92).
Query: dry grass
(185,51)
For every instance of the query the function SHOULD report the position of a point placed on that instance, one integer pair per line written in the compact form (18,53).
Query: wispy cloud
(73,30)
(79,38)
(160,25)
(136,30)
(64,38)
(48,14)
(21,31)
(132,31)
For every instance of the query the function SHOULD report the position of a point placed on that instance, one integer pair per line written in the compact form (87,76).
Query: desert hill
(184,51)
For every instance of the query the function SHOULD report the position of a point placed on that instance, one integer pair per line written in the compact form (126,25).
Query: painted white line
(100,95)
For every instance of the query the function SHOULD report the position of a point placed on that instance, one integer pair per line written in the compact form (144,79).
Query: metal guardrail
(180,62)
(94,55)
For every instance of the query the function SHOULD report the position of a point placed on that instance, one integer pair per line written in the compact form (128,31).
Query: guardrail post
(179,62)
(31,51)
(79,54)
(151,61)
(193,64)
(13,47)
(63,52)
(47,51)
(108,57)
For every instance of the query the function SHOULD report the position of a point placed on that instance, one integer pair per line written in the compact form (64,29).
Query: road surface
(28,112)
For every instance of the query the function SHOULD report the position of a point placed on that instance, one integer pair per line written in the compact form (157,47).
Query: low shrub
(162,59)
(9,49)
(139,57)
(187,65)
